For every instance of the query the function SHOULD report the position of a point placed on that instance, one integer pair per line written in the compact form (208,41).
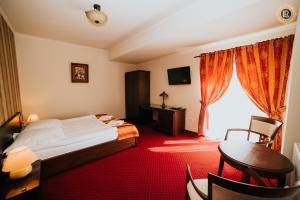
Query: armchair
(265,128)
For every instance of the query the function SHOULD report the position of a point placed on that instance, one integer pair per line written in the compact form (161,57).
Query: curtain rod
(291,35)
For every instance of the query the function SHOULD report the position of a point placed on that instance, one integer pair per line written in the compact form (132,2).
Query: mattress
(50,138)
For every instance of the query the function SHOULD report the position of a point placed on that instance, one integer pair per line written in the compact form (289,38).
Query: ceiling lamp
(96,16)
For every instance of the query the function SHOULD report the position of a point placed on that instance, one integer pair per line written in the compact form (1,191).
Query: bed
(78,147)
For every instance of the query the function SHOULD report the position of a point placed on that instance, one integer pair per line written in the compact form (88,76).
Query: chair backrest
(266,126)
(225,189)
(220,188)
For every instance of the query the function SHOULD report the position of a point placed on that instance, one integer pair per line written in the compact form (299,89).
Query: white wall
(188,96)
(45,80)
(292,126)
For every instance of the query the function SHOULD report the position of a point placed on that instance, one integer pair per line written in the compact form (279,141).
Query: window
(233,110)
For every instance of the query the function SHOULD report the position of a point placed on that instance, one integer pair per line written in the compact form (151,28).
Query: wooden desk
(171,121)
(266,162)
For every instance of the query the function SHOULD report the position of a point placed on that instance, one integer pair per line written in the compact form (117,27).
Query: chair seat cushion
(201,184)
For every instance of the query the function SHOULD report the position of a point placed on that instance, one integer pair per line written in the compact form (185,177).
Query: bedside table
(23,188)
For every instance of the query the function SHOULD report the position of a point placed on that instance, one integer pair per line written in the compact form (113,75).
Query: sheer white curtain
(233,110)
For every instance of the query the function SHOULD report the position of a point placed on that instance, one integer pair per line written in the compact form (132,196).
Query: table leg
(221,166)
(281,181)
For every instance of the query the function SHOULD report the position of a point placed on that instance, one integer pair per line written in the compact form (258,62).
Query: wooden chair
(265,128)
(218,188)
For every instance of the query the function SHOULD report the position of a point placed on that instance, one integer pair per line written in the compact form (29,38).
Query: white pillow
(105,117)
(43,133)
(36,138)
(48,123)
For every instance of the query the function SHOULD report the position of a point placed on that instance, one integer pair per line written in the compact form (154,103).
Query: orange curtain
(215,75)
(262,70)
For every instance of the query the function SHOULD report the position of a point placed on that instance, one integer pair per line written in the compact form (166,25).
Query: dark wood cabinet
(165,121)
(137,92)
(169,120)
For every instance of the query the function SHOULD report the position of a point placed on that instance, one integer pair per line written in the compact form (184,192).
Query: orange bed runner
(125,130)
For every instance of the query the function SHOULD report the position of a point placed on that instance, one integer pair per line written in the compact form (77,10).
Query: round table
(265,161)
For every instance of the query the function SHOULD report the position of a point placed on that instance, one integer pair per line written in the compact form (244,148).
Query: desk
(170,120)
(266,162)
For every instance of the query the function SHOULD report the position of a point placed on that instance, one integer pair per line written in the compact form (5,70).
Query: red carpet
(153,170)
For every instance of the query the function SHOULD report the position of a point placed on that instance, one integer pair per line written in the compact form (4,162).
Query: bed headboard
(13,125)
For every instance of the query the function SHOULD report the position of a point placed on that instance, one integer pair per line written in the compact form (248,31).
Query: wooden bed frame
(13,125)
(65,161)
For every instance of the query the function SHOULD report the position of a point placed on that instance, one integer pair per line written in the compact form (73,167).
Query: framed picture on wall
(79,73)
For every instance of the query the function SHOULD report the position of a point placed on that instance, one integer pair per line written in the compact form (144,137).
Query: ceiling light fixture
(96,16)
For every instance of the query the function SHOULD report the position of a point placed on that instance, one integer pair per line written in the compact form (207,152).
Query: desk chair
(218,188)
(265,128)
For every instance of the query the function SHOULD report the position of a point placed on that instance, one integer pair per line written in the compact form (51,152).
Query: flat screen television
(179,76)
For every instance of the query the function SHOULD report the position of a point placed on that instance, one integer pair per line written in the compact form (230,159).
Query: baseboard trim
(192,133)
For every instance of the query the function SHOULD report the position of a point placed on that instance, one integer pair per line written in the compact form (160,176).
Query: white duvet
(49,138)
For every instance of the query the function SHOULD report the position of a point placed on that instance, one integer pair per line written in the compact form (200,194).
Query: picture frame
(79,73)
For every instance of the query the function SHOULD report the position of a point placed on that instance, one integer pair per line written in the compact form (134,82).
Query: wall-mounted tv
(179,76)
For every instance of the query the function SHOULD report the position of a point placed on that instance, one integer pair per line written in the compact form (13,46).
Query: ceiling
(140,30)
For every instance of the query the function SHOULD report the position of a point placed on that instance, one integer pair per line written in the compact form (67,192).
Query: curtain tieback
(277,113)
(204,104)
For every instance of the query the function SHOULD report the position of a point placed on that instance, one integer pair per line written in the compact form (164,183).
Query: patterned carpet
(155,169)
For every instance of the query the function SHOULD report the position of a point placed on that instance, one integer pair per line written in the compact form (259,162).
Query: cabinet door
(179,121)
(131,96)
(165,121)
(143,91)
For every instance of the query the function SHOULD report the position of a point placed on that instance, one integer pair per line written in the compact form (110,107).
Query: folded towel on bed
(116,122)
(105,117)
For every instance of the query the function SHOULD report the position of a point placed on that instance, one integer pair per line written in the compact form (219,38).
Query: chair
(265,128)
(217,188)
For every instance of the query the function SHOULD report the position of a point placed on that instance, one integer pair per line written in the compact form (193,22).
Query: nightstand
(23,188)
